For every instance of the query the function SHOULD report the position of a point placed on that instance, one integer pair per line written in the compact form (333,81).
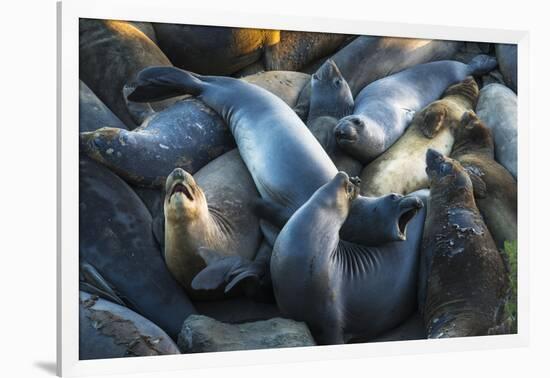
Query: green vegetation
(510,308)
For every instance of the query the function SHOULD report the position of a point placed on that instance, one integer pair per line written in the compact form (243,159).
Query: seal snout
(346,130)
(409,208)
(433,160)
(180,184)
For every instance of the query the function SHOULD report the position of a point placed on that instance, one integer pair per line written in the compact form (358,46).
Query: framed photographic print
(284,189)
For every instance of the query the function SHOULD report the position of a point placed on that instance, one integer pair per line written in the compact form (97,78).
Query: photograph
(244,189)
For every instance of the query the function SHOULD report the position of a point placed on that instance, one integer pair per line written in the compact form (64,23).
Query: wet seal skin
(210,211)
(367,59)
(507,56)
(331,99)
(107,330)
(385,108)
(92,112)
(463,281)
(402,168)
(342,290)
(494,187)
(186,135)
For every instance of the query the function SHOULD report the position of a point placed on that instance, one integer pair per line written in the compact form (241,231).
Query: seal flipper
(482,64)
(160,83)
(94,283)
(217,271)
(432,123)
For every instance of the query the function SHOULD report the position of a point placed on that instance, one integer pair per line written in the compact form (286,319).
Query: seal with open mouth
(213,211)
(462,276)
(340,289)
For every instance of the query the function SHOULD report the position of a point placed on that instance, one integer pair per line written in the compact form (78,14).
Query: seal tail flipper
(481,64)
(160,83)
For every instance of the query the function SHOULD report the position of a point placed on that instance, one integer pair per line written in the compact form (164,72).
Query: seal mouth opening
(404,220)
(345,137)
(180,188)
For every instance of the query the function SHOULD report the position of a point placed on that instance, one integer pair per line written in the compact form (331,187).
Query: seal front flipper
(432,122)
(160,83)
(219,267)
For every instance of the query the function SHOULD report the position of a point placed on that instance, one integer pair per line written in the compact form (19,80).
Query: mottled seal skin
(331,99)
(463,279)
(507,56)
(402,168)
(367,59)
(385,108)
(343,290)
(213,50)
(92,113)
(498,109)
(213,210)
(111,53)
(277,157)
(494,187)
(116,238)
(186,135)
(286,85)
(107,330)
(297,49)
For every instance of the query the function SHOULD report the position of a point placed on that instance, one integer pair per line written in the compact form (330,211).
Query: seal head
(360,137)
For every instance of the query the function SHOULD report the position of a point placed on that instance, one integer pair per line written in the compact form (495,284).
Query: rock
(203,334)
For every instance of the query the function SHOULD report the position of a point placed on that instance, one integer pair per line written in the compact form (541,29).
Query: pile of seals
(362,185)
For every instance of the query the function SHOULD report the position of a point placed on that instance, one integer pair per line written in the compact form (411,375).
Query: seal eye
(337,82)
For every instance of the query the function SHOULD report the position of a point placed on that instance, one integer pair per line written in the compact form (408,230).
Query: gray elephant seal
(507,56)
(342,290)
(92,112)
(111,53)
(494,187)
(331,99)
(385,108)
(115,237)
(107,330)
(296,49)
(269,151)
(367,59)
(213,211)
(213,50)
(186,135)
(498,109)
(402,168)
(463,279)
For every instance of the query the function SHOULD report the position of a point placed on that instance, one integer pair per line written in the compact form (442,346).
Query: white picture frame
(69,12)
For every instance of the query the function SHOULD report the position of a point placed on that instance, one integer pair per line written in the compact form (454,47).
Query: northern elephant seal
(498,109)
(111,53)
(107,330)
(463,279)
(213,50)
(116,238)
(92,112)
(384,109)
(402,168)
(186,135)
(343,290)
(507,56)
(368,58)
(331,99)
(494,187)
(212,210)
(286,85)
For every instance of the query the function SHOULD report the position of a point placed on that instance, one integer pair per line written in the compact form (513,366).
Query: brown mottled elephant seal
(111,53)
(213,50)
(286,85)
(463,280)
(494,187)
(297,49)
(331,99)
(343,290)
(107,330)
(402,168)
(367,59)
(212,210)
